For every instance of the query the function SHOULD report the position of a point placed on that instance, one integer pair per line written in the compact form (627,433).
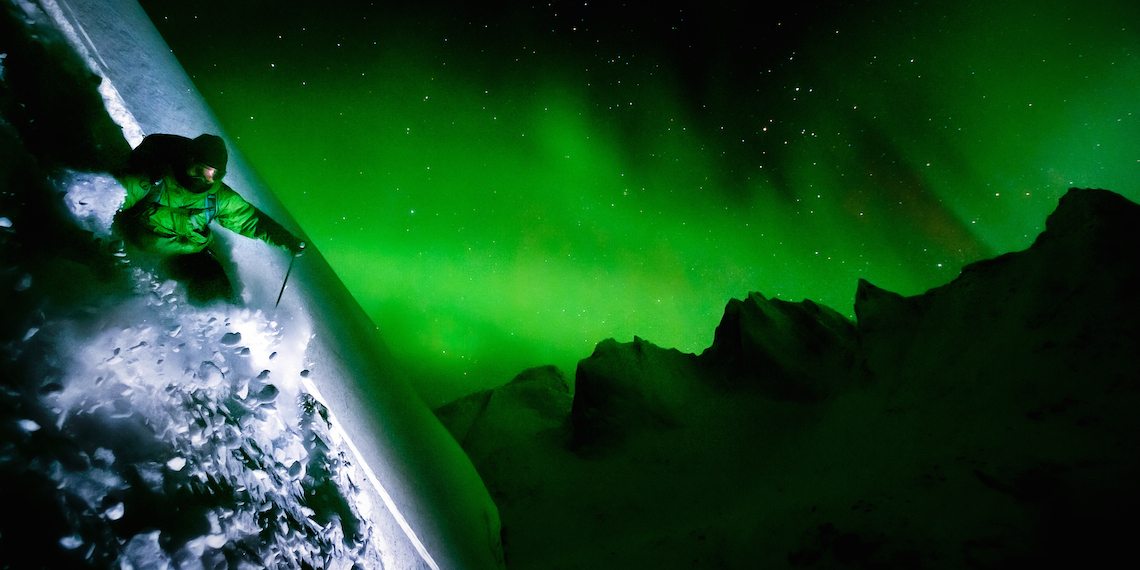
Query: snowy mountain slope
(143,431)
(990,423)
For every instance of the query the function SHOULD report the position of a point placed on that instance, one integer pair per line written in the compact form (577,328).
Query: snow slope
(142,431)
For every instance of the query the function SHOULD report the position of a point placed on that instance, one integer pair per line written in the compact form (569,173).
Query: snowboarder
(174,192)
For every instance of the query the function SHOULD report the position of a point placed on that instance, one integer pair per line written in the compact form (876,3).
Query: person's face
(207,173)
(202,177)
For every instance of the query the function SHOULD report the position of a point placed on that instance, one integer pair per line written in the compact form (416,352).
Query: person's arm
(241,217)
(136,188)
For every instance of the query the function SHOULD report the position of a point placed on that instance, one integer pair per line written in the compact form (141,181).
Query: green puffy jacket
(166,218)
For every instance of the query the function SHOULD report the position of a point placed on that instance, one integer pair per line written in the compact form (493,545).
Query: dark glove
(297,248)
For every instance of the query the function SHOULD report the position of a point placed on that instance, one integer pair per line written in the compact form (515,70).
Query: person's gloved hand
(297,248)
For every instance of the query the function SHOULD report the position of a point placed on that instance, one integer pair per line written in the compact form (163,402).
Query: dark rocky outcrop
(795,351)
(764,347)
(542,393)
(988,423)
(623,387)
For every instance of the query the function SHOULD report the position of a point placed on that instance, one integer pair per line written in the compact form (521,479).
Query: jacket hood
(210,150)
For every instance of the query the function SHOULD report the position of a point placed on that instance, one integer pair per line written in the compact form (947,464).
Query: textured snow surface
(171,435)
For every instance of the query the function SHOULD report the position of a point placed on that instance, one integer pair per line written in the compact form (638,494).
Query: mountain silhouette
(988,423)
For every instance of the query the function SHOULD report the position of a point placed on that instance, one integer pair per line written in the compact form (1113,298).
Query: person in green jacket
(174,193)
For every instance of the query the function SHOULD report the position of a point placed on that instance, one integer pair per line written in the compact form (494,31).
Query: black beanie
(210,150)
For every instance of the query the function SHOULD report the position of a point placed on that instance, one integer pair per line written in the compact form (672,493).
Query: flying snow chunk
(104,456)
(296,469)
(71,542)
(216,541)
(29,426)
(115,511)
(268,393)
(231,339)
(151,476)
(176,464)
(5,223)
(210,373)
(143,551)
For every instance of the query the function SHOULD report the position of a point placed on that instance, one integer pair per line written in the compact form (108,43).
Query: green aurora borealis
(505,187)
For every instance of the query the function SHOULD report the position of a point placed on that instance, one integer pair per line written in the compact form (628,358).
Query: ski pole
(292,258)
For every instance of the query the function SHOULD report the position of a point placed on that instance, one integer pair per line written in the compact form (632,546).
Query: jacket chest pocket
(198,221)
(181,221)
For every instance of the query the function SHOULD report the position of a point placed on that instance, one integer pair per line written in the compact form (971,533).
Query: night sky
(505,186)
